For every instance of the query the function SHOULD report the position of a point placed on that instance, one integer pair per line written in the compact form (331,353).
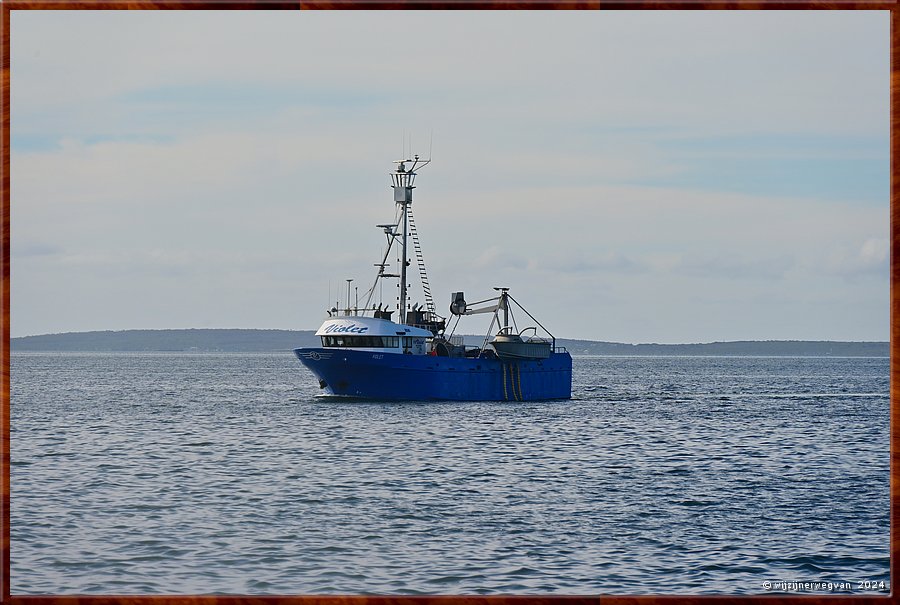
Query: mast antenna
(348,296)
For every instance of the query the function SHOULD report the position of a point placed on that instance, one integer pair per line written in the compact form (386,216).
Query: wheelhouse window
(369,342)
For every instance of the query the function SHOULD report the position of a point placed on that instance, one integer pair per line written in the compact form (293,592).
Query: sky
(631,176)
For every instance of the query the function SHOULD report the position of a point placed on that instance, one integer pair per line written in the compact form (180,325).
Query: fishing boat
(368,352)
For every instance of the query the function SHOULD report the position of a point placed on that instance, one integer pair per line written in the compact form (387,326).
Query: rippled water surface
(226,473)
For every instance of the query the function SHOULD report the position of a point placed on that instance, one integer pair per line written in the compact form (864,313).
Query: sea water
(229,473)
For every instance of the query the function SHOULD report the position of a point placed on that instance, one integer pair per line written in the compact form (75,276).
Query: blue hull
(368,375)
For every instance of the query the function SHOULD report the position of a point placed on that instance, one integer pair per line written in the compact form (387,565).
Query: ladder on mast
(423,276)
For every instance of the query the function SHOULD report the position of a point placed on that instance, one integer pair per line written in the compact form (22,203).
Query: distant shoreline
(252,341)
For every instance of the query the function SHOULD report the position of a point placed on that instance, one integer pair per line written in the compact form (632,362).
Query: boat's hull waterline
(375,376)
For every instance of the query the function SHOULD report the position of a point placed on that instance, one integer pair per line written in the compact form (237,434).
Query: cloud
(34,248)
(868,259)
(496,258)
(716,265)
(727,266)
(566,67)
(874,252)
(597,263)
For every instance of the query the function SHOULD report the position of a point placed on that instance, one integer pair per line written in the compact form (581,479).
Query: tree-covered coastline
(249,340)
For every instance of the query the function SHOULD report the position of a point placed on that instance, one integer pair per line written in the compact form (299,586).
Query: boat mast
(504,304)
(405,260)
(403,181)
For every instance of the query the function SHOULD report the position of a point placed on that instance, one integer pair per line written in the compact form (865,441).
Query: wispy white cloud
(857,262)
